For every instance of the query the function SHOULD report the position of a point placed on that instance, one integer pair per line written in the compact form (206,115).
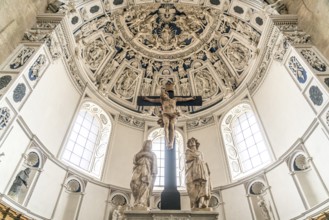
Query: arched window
(158,147)
(87,143)
(244,144)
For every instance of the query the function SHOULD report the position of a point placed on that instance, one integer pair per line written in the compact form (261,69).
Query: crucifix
(170,197)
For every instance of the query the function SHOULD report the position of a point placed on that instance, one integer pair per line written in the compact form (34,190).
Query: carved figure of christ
(169,114)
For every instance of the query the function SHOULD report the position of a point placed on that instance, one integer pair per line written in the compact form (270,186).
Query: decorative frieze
(131,121)
(281,50)
(266,57)
(298,37)
(200,122)
(313,59)
(22,58)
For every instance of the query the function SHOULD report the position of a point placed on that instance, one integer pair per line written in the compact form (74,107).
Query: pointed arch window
(158,147)
(88,140)
(244,143)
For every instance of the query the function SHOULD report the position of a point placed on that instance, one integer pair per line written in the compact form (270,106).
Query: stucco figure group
(197,176)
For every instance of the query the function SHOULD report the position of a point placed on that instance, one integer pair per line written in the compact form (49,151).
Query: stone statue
(118,213)
(264,211)
(197,176)
(21,179)
(169,113)
(143,177)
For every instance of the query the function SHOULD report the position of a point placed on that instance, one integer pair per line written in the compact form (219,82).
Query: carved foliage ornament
(130,120)
(200,122)
(298,37)
(19,92)
(146,39)
(282,49)
(314,60)
(54,47)
(167,27)
(205,84)
(297,69)
(4,117)
(21,58)
(4,81)
(34,71)
(239,55)
(94,53)
(316,95)
(126,84)
(37,35)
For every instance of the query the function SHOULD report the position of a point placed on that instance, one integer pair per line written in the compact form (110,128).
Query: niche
(307,180)
(118,204)
(26,176)
(70,198)
(260,200)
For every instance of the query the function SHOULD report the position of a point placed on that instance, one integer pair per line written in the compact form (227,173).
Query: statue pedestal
(170,214)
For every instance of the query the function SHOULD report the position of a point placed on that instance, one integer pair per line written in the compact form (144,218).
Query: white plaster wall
(47,190)
(14,146)
(127,142)
(283,110)
(317,146)
(285,195)
(213,155)
(50,108)
(93,202)
(236,204)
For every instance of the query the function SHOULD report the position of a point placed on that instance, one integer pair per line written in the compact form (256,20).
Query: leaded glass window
(158,147)
(244,144)
(87,143)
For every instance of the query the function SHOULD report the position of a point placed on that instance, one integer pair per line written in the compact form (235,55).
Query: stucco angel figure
(144,174)
(197,176)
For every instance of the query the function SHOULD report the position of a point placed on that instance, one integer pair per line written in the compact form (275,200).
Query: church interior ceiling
(133,48)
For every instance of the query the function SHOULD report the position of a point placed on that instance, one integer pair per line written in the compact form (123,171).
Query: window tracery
(88,140)
(244,144)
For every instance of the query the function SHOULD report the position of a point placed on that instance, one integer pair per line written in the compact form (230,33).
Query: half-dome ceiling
(134,50)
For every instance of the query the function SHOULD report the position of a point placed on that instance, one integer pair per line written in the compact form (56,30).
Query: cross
(170,197)
(169,113)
